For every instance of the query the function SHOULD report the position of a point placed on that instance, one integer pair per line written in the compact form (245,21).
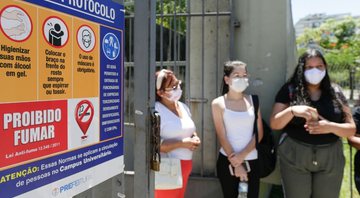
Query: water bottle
(243,189)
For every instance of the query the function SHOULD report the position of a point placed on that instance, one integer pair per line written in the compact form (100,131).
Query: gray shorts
(309,170)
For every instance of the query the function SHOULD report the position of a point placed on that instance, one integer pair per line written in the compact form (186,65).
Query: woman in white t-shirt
(177,129)
(233,115)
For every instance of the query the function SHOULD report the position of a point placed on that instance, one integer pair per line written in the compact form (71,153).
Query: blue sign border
(104,12)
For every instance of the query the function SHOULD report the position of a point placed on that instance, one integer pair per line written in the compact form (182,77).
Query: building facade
(315,20)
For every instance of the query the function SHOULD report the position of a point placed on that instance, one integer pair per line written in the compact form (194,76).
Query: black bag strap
(255,100)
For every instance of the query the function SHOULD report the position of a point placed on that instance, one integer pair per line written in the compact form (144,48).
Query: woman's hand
(236,159)
(191,143)
(309,113)
(196,142)
(241,173)
(321,126)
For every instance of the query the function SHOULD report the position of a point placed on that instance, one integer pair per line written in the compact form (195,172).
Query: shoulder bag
(266,147)
(169,177)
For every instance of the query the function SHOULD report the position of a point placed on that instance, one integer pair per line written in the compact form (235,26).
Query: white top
(239,127)
(176,128)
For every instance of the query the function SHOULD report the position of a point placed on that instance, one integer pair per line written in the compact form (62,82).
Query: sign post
(61,104)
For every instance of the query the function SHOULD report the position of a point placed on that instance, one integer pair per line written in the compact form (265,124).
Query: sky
(302,8)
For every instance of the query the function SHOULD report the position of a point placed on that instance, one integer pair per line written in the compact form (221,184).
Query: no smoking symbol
(84,113)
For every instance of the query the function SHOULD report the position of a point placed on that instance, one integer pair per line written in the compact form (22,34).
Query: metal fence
(349,81)
(178,24)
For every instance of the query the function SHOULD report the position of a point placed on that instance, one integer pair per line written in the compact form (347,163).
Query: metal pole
(202,83)
(217,68)
(162,34)
(144,58)
(352,71)
(187,55)
(350,178)
(232,30)
(174,41)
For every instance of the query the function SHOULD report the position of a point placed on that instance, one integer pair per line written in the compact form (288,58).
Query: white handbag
(169,177)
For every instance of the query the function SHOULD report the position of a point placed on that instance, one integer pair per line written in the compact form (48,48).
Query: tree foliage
(166,11)
(171,7)
(339,40)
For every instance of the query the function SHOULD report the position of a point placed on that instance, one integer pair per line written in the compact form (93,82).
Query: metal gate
(193,38)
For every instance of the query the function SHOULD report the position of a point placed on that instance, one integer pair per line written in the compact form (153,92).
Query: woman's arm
(354,141)
(169,145)
(283,113)
(280,116)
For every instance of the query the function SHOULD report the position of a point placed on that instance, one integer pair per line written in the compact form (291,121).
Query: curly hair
(300,95)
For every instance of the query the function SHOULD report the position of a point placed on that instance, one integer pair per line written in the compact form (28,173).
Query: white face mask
(239,84)
(314,76)
(175,95)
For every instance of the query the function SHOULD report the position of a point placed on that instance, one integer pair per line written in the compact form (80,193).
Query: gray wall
(266,42)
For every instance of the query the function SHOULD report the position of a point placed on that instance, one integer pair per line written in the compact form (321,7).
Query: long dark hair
(228,69)
(297,82)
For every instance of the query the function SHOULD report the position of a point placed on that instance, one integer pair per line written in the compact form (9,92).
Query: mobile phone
(246,166)
(231,169)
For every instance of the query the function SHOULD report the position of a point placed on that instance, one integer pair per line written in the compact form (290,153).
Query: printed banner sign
(61,104)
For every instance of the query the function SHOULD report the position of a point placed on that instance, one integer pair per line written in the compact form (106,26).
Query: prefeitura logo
(69,186)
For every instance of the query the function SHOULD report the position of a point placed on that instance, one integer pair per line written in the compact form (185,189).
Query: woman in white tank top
(233,115)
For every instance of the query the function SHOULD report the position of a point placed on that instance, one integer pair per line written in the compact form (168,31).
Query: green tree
(338,34)
(166,11)
(340,42)
(171,7)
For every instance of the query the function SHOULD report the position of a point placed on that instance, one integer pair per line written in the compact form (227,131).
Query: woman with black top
(314,115)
